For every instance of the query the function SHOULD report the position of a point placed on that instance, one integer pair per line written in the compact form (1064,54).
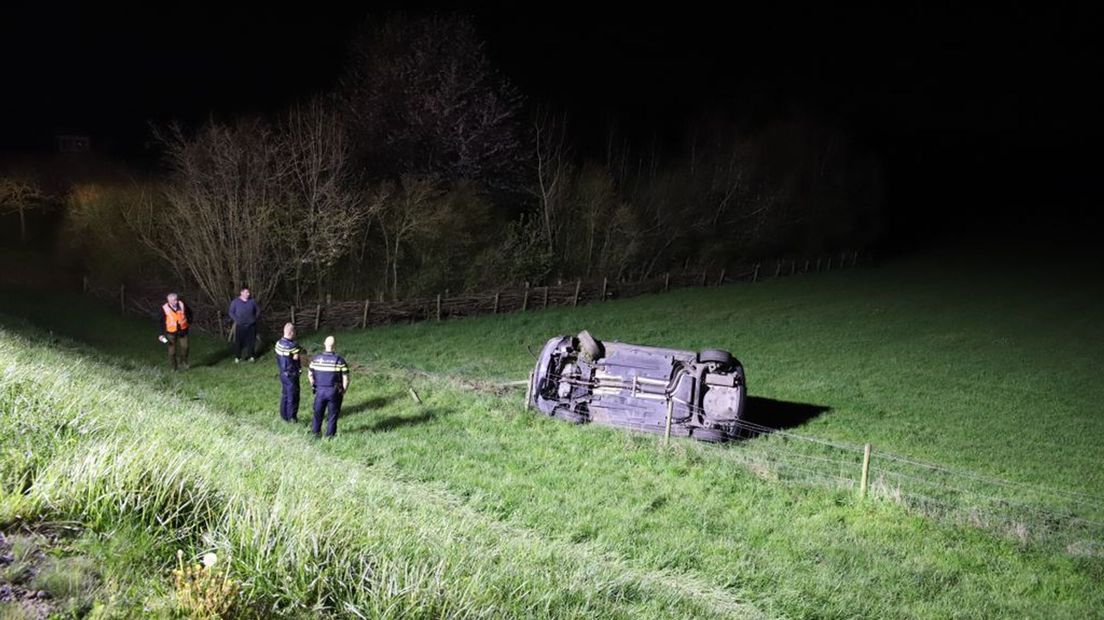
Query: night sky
(994,105)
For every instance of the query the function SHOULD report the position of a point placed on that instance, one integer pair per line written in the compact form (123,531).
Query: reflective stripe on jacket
(285,350)
(328,368)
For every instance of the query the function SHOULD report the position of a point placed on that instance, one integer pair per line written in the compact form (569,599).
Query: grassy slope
(894,352)
(306,530)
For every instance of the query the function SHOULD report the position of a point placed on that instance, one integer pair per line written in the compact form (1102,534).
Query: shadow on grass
(214,357)
(378,402)
(393,422)
(777,414)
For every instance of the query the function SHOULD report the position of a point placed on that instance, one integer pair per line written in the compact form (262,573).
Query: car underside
(698,394)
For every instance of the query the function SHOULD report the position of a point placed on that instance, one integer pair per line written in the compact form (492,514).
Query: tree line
(424,169)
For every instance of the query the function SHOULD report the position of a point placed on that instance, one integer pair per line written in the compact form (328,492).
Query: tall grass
(302,532)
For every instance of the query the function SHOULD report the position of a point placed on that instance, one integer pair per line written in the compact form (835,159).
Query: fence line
(1024,511)
(365,312)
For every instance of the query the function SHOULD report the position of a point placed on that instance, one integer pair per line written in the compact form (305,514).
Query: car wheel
(590,348)
(711,435)
(724,358)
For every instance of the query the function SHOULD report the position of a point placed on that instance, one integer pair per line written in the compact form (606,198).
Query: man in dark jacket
(244,312)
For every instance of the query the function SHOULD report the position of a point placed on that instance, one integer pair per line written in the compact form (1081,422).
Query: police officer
(287,360)
(329,378)
(174,319)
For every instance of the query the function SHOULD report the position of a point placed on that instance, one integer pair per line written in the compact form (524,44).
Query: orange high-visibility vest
(175,320)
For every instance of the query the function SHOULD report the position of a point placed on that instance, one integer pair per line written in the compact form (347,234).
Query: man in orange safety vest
(175,318)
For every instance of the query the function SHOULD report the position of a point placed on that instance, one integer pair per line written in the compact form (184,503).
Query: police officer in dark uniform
(287,360)
(329,378)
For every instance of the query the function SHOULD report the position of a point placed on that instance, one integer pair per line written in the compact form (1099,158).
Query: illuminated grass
(903,359)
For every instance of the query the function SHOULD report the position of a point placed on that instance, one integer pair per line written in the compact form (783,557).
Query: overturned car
(580,379)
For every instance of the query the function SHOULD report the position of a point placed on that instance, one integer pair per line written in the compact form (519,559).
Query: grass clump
(203,590)
(72,584)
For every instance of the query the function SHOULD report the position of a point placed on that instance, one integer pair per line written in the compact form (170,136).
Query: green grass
(469,506)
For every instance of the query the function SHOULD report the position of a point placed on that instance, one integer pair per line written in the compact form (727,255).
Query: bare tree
(330,213)
(410,207)
(554,169)
(19,195)
(227,219)
(597,205)
(422,97)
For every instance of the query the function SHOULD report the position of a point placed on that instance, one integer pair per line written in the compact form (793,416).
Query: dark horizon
(961,105)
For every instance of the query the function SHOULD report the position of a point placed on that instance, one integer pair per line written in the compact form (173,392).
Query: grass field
(466,505)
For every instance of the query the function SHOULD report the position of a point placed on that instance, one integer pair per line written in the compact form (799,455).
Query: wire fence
(1027,513)
(145,299)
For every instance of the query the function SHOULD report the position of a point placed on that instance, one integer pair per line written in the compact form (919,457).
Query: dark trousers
(323,398)
(289,396)
(178,350)
(244,337)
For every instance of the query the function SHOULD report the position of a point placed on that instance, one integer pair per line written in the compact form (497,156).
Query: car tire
(589,347)
(717,356)
(710,435)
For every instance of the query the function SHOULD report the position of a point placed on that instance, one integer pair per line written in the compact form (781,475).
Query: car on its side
(580,379)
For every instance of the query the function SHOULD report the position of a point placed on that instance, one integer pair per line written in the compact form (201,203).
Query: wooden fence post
(755,274)
(854,258)
(495,309)
(806,269)
(778,268)
(865,472)
(317,316)
(529,392)
(122,298)
(364,317)
(578,285)
(525,298)
(329,299)
(829,266)
(793,266)
(605,284)
(666,281)
(705,274)
(720,280)
(438,306)
(545,304)
(667,428)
